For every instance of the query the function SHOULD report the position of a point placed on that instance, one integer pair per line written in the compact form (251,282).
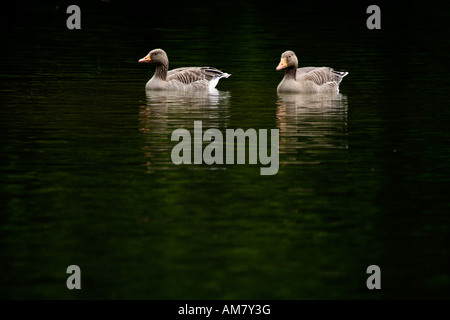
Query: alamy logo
(74,280)
(74,21)
(374,21)
(374,280)
(216,153)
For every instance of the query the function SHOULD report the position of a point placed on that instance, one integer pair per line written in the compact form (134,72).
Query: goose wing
(320,75)
(190,75)
(305,70)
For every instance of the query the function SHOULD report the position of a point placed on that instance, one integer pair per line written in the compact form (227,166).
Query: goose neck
(161,71)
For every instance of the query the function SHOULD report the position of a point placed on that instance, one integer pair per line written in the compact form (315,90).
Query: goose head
(288,59)
(156,56)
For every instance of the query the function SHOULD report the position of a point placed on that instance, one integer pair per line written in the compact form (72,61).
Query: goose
(307,79)
(188,78)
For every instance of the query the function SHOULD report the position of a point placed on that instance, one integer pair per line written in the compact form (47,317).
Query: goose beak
(282,64)
(145,59)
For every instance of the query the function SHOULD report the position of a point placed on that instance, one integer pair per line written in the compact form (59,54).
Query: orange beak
(282,64)
(146,59)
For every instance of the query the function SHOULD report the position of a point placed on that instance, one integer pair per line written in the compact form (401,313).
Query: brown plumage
(307,79)
(188,78)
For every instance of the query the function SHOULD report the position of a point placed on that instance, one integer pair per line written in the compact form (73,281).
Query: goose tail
(213,83)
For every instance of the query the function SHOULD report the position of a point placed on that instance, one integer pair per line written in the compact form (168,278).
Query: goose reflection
(167,111)
(311,124)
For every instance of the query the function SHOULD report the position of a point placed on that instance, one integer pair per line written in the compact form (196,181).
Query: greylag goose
(307,79)
(190,78)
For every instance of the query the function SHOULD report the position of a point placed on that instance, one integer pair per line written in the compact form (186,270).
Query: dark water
(87,177)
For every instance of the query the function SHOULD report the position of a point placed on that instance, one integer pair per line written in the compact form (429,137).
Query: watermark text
(222,150)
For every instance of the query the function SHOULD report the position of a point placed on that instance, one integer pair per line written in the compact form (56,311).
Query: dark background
(85,154)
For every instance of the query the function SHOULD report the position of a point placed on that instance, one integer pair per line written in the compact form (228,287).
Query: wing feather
(320,75)
(189,75)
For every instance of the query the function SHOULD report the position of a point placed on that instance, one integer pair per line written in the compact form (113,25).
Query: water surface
(87,177)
